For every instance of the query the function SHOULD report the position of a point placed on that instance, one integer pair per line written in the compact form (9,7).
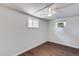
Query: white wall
(15,37)
(67,36)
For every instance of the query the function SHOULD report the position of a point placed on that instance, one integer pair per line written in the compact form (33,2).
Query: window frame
(60,24)
(33,25)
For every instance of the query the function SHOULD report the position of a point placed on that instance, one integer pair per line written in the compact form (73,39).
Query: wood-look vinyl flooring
(51,49)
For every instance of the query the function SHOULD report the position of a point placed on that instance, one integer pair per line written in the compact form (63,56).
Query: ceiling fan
(52,10)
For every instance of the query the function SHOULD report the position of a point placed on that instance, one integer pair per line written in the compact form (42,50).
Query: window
(60,24)
(30,23)
(33,23)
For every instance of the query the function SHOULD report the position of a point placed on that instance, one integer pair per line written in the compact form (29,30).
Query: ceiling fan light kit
(51,11)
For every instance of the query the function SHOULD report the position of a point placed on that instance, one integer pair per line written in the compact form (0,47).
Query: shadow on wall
(70,33)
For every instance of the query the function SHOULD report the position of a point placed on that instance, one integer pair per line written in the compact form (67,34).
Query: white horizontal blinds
(33,23)
(30,23)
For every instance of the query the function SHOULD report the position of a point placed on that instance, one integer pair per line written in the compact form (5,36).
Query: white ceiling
(41,9)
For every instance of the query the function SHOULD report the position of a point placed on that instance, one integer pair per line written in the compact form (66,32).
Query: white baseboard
(66,44)
(29,48)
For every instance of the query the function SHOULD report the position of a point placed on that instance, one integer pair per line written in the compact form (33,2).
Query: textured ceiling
(40,10)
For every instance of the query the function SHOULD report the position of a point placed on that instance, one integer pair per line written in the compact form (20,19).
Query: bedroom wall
(69,35)
(15,36)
